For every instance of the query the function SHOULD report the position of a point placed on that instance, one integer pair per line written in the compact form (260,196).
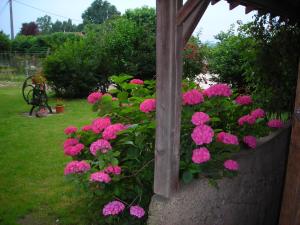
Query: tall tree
(98,12)
(29,29)
(44,24)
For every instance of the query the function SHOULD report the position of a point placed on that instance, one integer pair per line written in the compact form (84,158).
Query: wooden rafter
(186,10)
(248,9)
(213,2)
(233,5)
(193,19)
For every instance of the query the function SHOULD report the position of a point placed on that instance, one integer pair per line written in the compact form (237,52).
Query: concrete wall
(251,198)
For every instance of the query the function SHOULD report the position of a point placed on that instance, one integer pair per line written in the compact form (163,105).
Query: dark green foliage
(41,43)
(98,12)
(4,42)
(73,70)
(261,58)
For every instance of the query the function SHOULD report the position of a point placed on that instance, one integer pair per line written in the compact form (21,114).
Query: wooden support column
(290,209)
(169,47)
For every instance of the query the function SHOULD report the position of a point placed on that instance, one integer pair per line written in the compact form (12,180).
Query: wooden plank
(186,10)
(190,24)
(213,2)
(248,9)
(233,5)
(169,47)
(290,208)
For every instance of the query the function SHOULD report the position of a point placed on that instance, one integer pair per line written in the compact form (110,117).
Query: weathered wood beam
(190,24)
(248,9)
(186,10)
(213,2)
(290,208)
(169,48)
(233,5)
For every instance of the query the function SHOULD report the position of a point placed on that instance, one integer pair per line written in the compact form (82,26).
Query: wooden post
(169,47)
(290,209)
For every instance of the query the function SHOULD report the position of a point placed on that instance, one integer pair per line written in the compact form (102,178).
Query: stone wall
(251,198)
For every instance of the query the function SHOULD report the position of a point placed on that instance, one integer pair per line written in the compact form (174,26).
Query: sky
(217,17)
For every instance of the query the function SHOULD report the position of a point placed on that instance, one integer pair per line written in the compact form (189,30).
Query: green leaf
(187,177)
(122,96)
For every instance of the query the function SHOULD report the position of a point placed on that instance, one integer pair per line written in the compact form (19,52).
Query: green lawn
(33,189)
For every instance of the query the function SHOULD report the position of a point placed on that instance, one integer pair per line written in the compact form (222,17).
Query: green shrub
(4,42)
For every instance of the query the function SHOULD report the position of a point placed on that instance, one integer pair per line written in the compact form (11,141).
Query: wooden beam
(190,24)
(169,48)
(233,5)
(213,2)
(290,209)
(248,9)
(186,10)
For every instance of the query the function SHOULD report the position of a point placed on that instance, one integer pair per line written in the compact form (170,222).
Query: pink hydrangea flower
(247,119)
(114,170)
(113,208)
(200,118)
(200,155)
(70,130)
(86,128)
(231,165)
(137,81)
(250,141)
(100,145)
(258,113)
(111,131)
(218,90)
(76,167)
(275,123)
(244,100)
(202,134)
(100,124)
(73,150)
(100,177)
(192,97)
(70,142)
(94,97)
(227,138)
(149,105)
(137,211)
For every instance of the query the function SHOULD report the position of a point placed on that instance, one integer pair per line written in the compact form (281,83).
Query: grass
(33,189)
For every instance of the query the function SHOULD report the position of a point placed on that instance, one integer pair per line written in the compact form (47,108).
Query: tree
(4,42)
(98,12)
(29,29)
(44,24)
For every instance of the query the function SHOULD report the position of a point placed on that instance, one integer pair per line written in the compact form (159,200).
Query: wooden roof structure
(175,24)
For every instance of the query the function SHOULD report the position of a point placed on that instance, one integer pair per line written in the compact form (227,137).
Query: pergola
(175,24)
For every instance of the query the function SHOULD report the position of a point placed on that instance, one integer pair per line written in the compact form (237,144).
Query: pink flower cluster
(94,97)
(111,131)
(74,150)
(227,138)
(247,119)
(113,170)
(100,124)
(258,113)
(275,123)
(200,118)
(250,141)
(218,90)
(202,134)
(100,145)
(192,97)
(76,167)
(231,165)
(137,81)
(70,130)
(86,128)
(113,208)
(200,155)
(244,100)
(100,177)
(137,211)
(149,105)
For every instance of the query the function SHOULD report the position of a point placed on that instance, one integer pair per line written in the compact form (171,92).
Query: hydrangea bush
(113,156)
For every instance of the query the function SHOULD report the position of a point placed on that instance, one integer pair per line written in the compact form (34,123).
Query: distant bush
(4,42)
